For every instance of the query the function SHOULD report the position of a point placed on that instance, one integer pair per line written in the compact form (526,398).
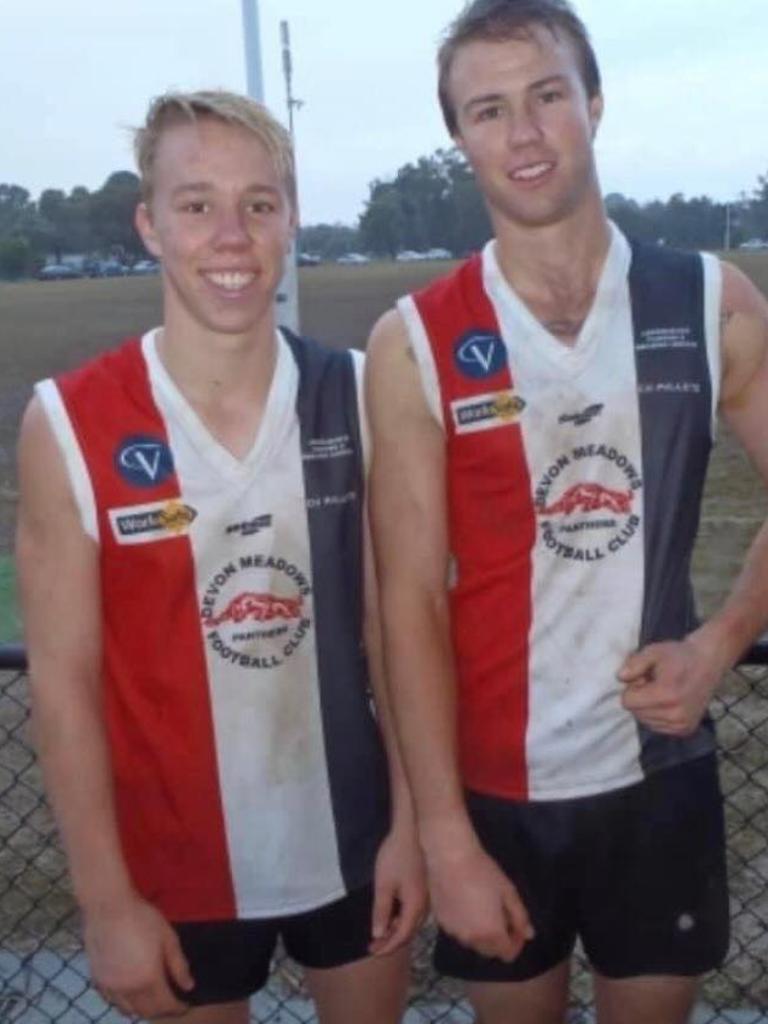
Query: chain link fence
(43,973)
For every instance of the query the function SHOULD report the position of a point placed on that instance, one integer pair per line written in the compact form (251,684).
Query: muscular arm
(670,685)
(744,407)
(59,576)
(471,898)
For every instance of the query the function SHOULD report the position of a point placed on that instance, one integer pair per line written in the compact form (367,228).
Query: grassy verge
(10,620)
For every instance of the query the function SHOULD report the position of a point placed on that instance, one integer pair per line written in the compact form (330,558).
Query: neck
(555,259)
(210,368)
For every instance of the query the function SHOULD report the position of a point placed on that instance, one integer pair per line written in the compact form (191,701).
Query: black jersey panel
(675,404)
(333,469)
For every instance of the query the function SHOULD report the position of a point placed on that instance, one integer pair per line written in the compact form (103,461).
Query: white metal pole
(253,75)
(287,303)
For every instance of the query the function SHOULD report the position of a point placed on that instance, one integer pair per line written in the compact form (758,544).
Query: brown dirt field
(46,327)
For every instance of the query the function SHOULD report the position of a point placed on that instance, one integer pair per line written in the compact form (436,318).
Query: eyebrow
(549,80)
(495,97)
(478,101)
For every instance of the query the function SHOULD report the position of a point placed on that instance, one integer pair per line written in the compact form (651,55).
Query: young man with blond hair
(542,421)
(197,593)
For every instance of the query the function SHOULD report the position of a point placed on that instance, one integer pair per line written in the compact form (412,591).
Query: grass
(10,624)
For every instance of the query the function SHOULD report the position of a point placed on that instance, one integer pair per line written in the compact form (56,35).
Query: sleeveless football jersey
(250,779)
(574,480)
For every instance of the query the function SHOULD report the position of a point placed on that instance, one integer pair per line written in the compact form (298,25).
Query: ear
(596,107)
(146,229)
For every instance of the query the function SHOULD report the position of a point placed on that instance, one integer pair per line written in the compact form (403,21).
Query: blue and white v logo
(480,354)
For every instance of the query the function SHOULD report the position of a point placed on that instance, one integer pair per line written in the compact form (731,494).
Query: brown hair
(178,107)
(500,20)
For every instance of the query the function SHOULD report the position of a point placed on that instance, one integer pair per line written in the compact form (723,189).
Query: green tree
(381,223)
(328,240)
(111,214)
(428,204)
(52,207)
(15,257)
(633,219)
(16,209)
(467,225)
(20,219)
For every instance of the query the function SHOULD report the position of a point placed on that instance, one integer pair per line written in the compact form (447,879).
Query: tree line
(435,202)
(57,223)
(432,203)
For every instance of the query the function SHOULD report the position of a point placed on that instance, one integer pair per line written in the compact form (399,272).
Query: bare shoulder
(36,448)
(744,335)
(740,295)
(45,495)
(388,337)
(394,389)
(55,559)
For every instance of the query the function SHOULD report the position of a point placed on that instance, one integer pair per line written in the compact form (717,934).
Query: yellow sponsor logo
(508,406)
(176,517)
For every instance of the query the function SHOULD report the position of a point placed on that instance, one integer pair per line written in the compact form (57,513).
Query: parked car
(409,256)
(58,272)
(112,268)
(754,243)
(307,259)
(145,267)
(353,257)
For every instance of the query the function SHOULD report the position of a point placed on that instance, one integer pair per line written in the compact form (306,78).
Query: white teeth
(231,280)
(529,173)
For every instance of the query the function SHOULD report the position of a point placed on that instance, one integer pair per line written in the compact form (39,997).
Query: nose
(231,231)
(523,127)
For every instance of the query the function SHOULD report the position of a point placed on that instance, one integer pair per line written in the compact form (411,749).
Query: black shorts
(230,960)
(638,874)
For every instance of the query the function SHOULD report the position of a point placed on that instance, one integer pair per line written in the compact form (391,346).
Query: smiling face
(221,221)
(526,125)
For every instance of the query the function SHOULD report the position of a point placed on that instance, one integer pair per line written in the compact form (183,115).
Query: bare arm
(471,898)
(400,902)
(744,407)
(59,576)
(685,675)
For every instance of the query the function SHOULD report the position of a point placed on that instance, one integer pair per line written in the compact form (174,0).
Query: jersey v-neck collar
(520,329)
(279,410)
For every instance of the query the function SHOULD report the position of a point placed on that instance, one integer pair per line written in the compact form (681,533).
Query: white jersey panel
(581,432)
(713,297)
(251,552)
(422,351)
(62,430)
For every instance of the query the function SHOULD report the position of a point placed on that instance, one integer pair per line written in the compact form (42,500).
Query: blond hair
(174,108)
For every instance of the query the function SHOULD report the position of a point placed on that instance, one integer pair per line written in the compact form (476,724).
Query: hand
(133,952)
(669,685)
(475,903)
(400,891)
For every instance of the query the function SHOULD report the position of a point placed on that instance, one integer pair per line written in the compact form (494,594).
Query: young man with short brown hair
(542,420)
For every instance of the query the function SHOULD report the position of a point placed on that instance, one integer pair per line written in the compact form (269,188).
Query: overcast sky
(686,84)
